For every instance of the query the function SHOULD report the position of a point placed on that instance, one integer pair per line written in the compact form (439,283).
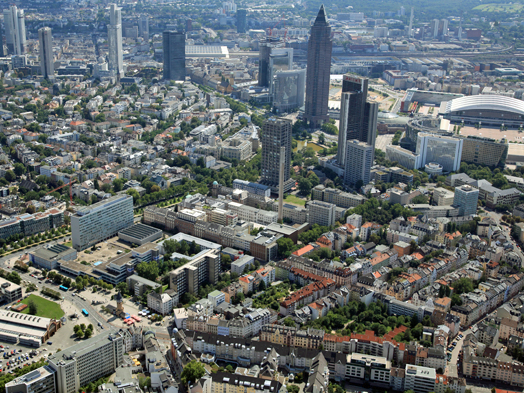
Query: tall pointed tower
(320,46)
(119,303)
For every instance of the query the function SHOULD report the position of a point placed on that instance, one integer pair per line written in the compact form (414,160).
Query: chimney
(281,185)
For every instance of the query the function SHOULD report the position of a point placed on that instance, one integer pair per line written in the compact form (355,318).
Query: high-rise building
(358,118)
(15,38)
(322,213)
(276,133)
(266,46)
(444,150)
(241,21)
(466,198)
(174,44)
(288,90)
(358,162)
(101,221)
(87,361)
(143,27)
(47,64)
(320,46)
(114,35)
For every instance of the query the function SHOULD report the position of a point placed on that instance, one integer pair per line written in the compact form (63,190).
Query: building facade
(466,198)
(101,221)
(359,159)
(114,38)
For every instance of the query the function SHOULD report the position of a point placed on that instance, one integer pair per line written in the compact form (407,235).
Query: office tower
(358,118)
(288,90)
(87,361)
(443,27)
(189,25)
(174,44)
(358,162)
(266,46)
(419,379)
(241,21)
(484,151)
(319,50)
(15,30)
(410,29)
(280,59)
(276,133)
(466,199)
(2,53)
(101,221)
(114,34)
(46,52)
(41,380)
(443,150)
(143,27)
(433,28)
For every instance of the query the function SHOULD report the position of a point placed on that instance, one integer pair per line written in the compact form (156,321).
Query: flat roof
(89,345)
(140,231)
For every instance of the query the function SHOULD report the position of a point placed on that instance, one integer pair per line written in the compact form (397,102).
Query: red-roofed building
(304,250)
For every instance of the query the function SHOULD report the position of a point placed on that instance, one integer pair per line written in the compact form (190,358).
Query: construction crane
(65,185)
(270,30)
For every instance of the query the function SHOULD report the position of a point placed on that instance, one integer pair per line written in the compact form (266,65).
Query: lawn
(69,244)
(45,308)
(493,7)
(296,200)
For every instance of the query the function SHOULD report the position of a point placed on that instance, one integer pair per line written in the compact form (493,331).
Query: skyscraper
(319,50)
(358,118)
(359,159)
(276,133)
(114,33)
(143,26)
(15,30)
(46,52)
(174,44)
(241,21)
(266,46)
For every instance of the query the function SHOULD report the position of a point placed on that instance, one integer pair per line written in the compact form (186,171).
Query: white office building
(466,199)
(359,159)
(444,150)
(404,157)
(41,380)
(114,35)
(322,213)
(47,64)
(101,221)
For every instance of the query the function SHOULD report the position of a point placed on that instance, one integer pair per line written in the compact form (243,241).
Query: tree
(285,247)
(79,333)
(33,308)
(19,169)
(288,321)
(304,185)
(10,176)
(193,371)
(463,285)
(262,286)
(293,389)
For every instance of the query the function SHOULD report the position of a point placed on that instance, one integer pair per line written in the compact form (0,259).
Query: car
(49,343)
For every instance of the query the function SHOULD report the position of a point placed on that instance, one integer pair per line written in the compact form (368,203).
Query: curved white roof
(488,102)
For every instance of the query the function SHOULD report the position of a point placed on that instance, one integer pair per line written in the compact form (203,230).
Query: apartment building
(420,379)
(30,224)
(360,368)
(336,197)
(236,383)
(41,380)
(163,303)
(9,291)
(87,361)
(101,221)
(321,213)
(306,295)
(442,197)
(203,267)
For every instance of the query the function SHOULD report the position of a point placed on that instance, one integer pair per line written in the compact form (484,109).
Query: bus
(64,288)
(84,311)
